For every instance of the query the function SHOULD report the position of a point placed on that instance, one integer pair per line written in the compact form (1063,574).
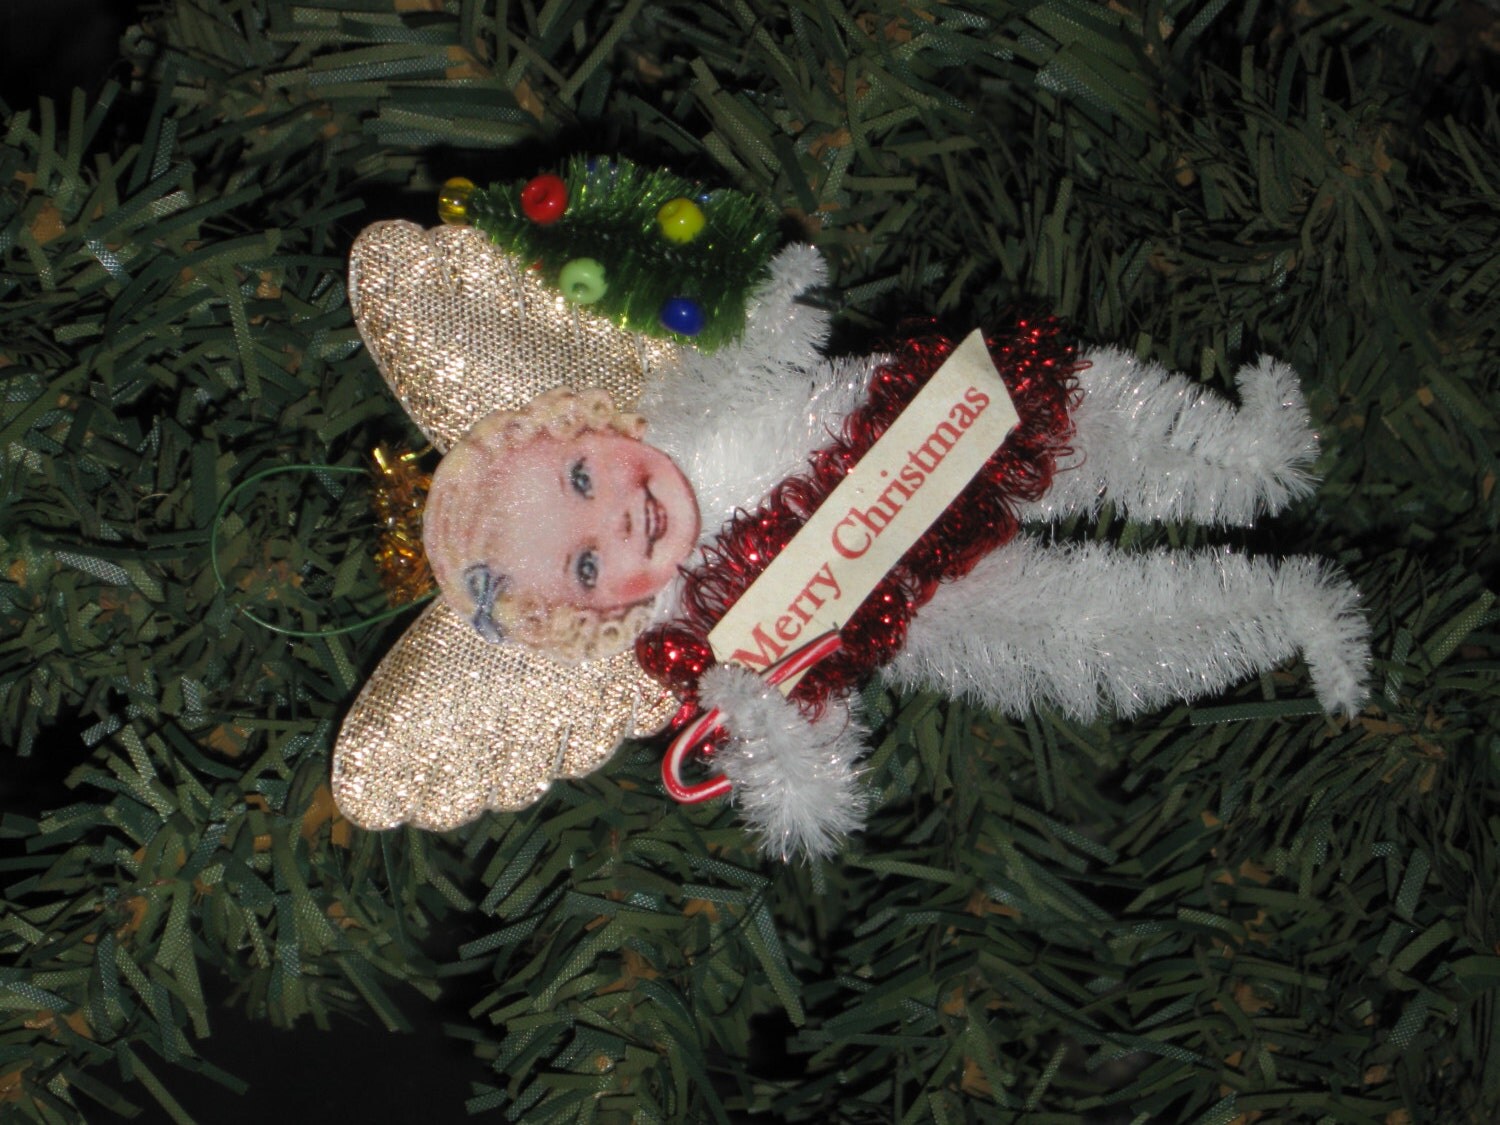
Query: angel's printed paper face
(597,521)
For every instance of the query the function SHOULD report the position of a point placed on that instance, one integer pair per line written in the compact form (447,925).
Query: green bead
(582,281)
(681,220)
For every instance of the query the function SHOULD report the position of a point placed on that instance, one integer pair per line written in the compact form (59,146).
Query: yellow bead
(453,201)
(681,220)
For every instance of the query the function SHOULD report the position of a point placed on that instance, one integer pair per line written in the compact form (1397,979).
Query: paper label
(897,491)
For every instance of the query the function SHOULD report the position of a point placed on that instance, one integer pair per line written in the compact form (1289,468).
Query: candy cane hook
(691,736)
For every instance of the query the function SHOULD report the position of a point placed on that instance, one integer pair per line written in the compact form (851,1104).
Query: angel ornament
(618,472)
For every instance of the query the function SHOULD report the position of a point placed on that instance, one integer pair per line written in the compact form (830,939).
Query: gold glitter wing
(450,725)
(459,329)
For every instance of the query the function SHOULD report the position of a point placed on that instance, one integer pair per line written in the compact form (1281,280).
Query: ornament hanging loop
(692,736)
(225,506)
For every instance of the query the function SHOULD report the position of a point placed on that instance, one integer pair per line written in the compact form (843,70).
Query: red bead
(544,199)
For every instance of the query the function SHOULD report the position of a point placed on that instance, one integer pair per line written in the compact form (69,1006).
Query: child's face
(598,521)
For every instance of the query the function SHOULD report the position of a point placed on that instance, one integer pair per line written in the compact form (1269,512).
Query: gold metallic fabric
(459,329)
(450,725)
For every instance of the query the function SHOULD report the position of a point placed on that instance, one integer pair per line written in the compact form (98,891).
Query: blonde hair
(563,631)
(561,413)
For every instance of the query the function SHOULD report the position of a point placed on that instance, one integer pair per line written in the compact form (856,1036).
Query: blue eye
(581,479)
(586,569)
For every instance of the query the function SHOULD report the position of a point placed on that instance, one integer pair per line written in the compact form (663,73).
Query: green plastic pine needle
(650,250)
(1233,912)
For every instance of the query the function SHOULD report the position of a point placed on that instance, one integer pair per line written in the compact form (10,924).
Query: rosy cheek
(635,579)
(640,585)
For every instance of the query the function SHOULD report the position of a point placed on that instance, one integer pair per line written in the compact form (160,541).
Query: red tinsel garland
(1037,362)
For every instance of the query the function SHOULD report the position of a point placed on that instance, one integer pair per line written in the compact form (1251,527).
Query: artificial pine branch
(1231,913)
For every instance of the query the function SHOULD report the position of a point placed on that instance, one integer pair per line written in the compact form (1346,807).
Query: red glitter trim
(1037,361)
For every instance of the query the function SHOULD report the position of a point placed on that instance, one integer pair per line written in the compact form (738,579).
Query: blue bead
(682,315)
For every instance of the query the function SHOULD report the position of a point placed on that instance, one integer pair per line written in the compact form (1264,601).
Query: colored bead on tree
(453,201)
(544,199)
(682,315)
(681,220)
(582,281)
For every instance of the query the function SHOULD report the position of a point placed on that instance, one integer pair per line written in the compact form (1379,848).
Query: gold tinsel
(398,497)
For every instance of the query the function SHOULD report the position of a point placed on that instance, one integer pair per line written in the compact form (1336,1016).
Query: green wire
(213,556)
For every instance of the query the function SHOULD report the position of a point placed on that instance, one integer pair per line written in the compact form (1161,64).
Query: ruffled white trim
(795,782)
